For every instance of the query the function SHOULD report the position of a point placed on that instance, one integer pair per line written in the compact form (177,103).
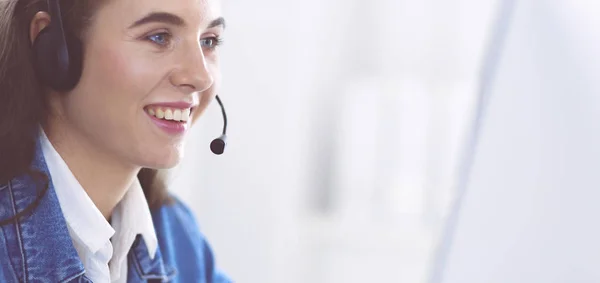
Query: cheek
(124,72)
(115,83)
(109,99)
(105,87)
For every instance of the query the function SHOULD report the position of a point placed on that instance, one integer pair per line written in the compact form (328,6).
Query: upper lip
(178,105)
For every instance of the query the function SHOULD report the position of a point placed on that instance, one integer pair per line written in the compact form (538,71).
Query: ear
(38,23)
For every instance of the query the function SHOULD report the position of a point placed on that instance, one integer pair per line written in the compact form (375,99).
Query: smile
(172,118)
(170,114)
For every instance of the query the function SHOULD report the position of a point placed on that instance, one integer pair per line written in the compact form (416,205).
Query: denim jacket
(38,247)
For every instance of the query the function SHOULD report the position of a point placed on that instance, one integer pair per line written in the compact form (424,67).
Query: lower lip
(171,127)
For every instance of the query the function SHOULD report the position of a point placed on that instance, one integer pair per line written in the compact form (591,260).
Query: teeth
(170,114)
(177,115)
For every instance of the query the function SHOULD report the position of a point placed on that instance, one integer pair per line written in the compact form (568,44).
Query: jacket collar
(45,249)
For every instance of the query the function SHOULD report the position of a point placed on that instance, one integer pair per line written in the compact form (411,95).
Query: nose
(194,72)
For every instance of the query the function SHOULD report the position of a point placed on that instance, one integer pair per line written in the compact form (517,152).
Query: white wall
(531,209)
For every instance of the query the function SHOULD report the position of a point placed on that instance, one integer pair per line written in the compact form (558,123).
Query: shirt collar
(83,217)
(130,218)
(132,215)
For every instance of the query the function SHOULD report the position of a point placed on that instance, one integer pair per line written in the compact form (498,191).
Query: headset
(58,56)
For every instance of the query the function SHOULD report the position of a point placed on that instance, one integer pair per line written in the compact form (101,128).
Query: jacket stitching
(138,267)
(10,261)
(68,279)
(18,228)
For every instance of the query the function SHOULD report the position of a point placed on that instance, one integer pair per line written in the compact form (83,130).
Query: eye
(162,38)
(211,42)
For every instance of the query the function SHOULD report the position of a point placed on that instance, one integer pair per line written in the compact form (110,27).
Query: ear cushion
(76,61)
(58,65)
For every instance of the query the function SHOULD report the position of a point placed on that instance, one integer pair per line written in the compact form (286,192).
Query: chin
(163,165)
(166,160)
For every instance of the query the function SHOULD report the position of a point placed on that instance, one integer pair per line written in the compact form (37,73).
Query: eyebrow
(168,18)
(159,17)
(220,21)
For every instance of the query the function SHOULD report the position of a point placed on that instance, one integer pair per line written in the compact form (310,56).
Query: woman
(95,97)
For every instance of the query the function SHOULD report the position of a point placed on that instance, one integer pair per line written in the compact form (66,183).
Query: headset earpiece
(57,56)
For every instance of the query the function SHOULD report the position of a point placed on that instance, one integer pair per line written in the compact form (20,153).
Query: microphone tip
(217,146)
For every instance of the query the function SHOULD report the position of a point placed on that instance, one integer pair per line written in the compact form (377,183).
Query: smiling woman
(97,98)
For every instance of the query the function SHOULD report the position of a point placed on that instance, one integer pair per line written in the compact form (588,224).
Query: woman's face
(148,64)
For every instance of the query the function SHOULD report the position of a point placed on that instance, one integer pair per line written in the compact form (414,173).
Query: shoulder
(176,213)
(181,240)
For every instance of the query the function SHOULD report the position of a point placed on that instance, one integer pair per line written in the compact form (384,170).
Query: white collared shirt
(104,260)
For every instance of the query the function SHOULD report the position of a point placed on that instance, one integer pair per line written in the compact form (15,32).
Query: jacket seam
(19,237)
(68,279)
(10,261)
(138,268)
(18,228)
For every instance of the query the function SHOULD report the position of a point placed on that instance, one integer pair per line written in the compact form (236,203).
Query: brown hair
(23,103)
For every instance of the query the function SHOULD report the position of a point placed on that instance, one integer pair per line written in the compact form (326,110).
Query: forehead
(193,12)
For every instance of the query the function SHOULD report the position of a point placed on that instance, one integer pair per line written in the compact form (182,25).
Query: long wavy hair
(23,102)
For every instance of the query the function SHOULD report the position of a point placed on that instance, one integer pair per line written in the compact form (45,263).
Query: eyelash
(217,40)
(165,34)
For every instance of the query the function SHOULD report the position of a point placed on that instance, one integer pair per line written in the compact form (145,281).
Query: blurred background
(348,125)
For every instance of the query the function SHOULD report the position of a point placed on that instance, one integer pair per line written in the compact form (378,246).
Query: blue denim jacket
(38,247)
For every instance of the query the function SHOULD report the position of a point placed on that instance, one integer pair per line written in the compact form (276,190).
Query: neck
(103,176)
